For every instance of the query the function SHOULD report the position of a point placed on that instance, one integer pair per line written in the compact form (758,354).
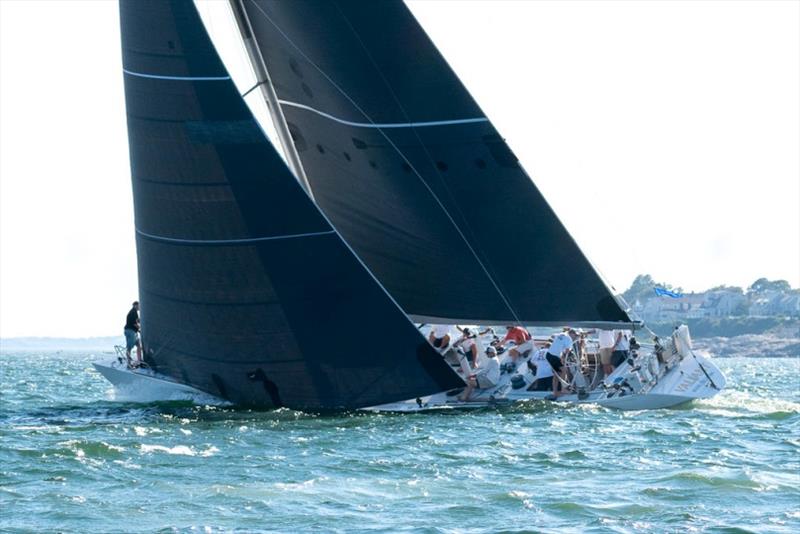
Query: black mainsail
(247,291)
(414,176)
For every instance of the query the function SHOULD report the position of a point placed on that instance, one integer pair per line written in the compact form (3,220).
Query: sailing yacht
(304,281)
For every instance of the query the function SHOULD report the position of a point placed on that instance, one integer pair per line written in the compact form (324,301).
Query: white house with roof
(724,303)
(673,309)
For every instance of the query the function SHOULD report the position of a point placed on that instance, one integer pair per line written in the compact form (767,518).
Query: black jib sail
(414,176)
(247,292)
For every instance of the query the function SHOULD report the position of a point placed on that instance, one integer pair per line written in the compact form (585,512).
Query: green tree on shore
(731,289)
(762,284)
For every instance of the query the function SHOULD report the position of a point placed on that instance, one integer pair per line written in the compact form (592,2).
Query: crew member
(132,337)
(523,343)
(606,342)
(440,337)
(469,345)
(560,344)
(543,371)
(621,348)
(486,375)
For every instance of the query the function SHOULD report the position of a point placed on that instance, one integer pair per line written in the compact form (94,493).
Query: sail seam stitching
(386,124)
(229,241)
(178,78)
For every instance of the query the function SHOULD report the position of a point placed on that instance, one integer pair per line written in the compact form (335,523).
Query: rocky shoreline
(766,345)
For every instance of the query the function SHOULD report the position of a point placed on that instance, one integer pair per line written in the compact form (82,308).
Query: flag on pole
(663,292)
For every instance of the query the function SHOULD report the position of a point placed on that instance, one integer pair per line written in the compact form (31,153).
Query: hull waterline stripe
(382,125)
(179,78)
(228,241)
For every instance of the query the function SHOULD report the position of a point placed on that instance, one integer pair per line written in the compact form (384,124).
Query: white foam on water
(733,403)
(182,450)
(299,486)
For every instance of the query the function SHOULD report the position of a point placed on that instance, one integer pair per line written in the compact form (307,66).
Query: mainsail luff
(414,176)
(268,92)
(247,292)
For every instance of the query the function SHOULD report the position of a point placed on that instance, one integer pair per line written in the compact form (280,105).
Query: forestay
(412,173)
(247,292)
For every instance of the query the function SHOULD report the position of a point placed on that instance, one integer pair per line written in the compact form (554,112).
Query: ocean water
(73,459)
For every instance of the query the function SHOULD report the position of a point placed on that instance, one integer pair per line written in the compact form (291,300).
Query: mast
(268,93)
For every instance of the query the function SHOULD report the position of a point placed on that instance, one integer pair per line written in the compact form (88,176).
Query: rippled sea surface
(73,459)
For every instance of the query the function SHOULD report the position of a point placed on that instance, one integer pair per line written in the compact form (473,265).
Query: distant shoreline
(705,327)
(99,343)
(708,327)
(774,336)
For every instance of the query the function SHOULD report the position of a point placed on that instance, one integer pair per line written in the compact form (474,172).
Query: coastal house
(787,305)
(791,304)
(720,302)
(724,303)
(661,309)
(773,302)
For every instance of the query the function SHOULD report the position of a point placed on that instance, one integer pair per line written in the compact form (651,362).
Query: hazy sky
(665,134)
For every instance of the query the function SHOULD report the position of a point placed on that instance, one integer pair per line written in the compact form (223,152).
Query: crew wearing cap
(469,344)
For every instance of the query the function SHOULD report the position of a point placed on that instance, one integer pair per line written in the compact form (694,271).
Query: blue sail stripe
(385,124)
(244,241)
(179,78)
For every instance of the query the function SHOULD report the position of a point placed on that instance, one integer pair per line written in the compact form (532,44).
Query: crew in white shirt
(606,342)
(486,375)
(470,344)
(621,347)
(543,379)
(440,337)
(560,344)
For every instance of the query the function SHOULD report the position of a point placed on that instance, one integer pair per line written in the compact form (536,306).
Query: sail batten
(382,125)
(445,217)
(177,78)
(558,324)
(241,241)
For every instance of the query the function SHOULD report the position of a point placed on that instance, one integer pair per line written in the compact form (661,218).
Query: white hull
(677,377)
(684,377)
(680,385)
(144,385)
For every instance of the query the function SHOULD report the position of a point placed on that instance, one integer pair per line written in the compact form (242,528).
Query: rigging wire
(258,84)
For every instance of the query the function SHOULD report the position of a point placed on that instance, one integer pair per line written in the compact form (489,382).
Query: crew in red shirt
(523,343)
(517,334)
